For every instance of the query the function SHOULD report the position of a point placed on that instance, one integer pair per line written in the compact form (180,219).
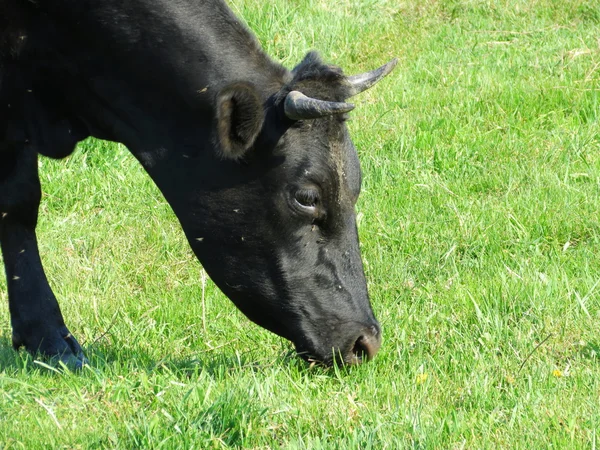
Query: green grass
(480,231)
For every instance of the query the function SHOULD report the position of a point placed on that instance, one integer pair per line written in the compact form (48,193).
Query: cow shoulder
(32,111)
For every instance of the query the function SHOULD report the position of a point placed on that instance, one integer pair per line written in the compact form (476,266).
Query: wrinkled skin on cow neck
(270,215)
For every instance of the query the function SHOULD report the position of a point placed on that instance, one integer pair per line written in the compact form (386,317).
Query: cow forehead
(338,164)
(347,167)
(336,160)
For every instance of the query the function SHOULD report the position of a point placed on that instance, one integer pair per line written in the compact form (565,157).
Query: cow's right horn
(364,81)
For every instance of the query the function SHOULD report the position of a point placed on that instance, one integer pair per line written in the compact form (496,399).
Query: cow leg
(36,319)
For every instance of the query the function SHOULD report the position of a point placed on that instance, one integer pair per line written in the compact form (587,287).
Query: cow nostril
(360,351)
(364,349)
(367,345)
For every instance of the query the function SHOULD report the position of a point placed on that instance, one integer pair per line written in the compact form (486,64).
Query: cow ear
(240,118)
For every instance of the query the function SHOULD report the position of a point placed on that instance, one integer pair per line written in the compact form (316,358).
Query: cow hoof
(57,346)
(73,362)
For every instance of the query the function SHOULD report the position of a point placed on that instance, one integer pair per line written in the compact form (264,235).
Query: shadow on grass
(219,363)
(216,363)
(9,358)
(108,358)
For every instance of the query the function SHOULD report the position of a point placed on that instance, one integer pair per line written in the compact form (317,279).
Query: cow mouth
(363,349)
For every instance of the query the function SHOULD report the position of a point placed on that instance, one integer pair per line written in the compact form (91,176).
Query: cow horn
(364,81)
(298,106)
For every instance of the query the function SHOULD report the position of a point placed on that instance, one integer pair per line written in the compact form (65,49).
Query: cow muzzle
(360,344)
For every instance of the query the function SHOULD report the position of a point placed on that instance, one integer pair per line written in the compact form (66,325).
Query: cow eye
(307,198)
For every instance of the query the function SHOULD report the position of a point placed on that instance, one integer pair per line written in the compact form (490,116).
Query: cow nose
(367,345)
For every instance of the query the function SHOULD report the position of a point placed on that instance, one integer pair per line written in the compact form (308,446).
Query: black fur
(186,87)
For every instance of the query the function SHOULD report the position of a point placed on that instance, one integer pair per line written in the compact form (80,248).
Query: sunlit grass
(479,223)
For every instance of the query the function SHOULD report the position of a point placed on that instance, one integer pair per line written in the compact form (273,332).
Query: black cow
(254,159)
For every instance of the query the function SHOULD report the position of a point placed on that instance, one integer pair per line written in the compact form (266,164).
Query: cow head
(275,225)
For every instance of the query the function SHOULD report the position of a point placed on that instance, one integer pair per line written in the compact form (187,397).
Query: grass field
(479,222)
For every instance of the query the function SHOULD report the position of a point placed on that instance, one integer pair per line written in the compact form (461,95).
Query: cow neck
(184,48)
(152,68)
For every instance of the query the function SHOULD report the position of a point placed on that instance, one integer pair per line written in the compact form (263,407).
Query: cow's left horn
(364,81)
(298,106)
